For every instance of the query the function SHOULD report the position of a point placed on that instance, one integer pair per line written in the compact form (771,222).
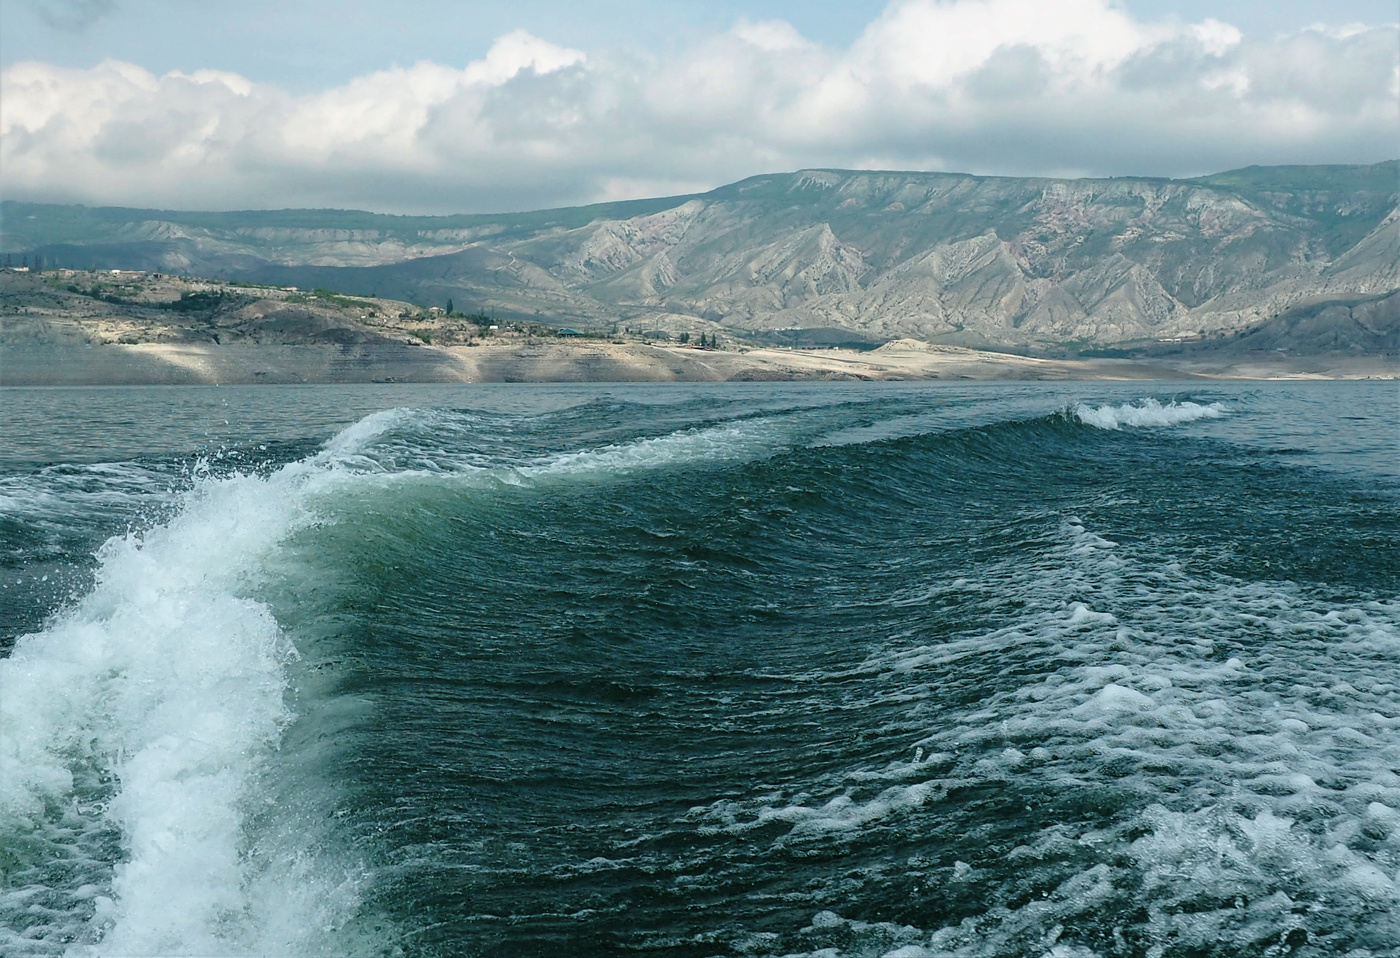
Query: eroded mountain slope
(942,257)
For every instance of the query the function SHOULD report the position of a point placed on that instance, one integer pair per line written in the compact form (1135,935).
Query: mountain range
(1307,256)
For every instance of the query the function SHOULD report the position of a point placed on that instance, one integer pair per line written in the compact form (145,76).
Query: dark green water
(1073,670)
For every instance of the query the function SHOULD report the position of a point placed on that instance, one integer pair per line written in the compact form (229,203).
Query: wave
(1231,743)
(725,443)
(405,446)
(132,731)
(136,728)
(147,732)
(55,506)
(1148,412)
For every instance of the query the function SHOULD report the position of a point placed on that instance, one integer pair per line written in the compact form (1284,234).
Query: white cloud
(238,84)
(934,43)
(773,36)
(998,86)
(516,52)
(1216,38)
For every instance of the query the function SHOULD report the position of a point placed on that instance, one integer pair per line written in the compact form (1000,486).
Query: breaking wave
(134,729)
(1148,412)
(974,683)
(1232,743)
(137,726)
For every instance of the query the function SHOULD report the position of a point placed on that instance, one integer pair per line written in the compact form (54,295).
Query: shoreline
(610,362)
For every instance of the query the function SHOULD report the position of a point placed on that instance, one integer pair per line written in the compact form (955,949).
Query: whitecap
(133,730)
(1148,412)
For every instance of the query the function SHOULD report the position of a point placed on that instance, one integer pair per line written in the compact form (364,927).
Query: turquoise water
(833,669)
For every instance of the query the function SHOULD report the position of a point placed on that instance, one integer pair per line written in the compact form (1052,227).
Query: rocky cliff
(1037,263)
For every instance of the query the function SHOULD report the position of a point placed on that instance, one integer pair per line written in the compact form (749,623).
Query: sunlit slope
(945,257)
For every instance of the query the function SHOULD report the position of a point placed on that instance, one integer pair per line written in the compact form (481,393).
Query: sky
(430,106)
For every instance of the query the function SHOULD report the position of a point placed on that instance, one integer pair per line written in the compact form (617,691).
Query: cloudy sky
(437,106)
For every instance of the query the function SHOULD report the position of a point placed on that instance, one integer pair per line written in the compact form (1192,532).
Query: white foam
(1112,699)
(355,438)
(58,500)
(728,442)
(1148,412)
(140,716)
(407,446)
(135,726)
(1265,783)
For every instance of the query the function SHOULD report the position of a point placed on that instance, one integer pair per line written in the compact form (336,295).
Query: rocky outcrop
(1037,263)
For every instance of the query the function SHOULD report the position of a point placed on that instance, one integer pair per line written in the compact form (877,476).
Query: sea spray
(139,718)
(681,675)
(1255,796)
(137,724)
(1148,412)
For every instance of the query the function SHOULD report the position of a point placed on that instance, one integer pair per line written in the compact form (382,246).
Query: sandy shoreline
(171,363)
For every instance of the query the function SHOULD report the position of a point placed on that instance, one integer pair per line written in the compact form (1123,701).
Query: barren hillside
(818,255)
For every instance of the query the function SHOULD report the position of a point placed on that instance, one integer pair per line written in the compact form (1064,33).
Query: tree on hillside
(449,307)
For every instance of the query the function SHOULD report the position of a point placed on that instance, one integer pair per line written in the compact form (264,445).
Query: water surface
(839,669)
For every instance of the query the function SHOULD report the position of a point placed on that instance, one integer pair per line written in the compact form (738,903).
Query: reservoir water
(1076,670)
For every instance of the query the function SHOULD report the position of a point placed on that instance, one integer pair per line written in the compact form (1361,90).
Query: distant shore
(78,328)
(592,361)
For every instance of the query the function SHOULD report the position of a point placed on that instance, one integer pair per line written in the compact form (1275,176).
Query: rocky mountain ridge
(1037,264)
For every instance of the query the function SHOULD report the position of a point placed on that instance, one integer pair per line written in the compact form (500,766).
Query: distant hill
(1040,264)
